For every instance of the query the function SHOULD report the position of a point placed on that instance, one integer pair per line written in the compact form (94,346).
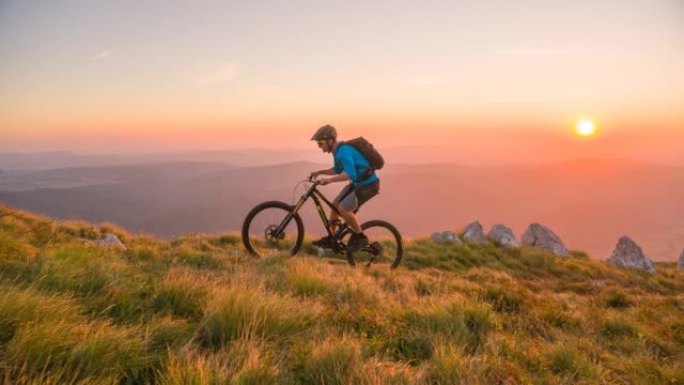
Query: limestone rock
(503,236)
(445,237)
(111,240)
(474,233)
(542,237)
(629,255)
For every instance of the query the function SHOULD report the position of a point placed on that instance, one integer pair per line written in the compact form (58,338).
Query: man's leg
(334,218)
(328,241)
(342,196)
(350,218)
(351,202)
(358,239)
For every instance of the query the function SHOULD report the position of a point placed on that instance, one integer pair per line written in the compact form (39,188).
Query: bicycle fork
(280,230)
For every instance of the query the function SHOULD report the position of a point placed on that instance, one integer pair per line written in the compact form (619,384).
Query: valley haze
(588,202)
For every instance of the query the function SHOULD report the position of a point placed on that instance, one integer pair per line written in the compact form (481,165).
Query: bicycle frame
(317,196)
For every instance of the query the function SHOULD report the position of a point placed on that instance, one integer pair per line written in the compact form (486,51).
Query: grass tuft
(88,348)
(182,296)
(447,366)
(505,298)
(304,280)
(566,360)
(248,313)
(614,328)
(334,362)
(199,260)
(617,299)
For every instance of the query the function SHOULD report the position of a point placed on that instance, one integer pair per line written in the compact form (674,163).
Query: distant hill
(589,203)
(198,310)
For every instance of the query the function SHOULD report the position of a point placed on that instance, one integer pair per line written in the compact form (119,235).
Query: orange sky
(498,80)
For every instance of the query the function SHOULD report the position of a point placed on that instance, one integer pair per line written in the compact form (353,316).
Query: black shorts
(351,198)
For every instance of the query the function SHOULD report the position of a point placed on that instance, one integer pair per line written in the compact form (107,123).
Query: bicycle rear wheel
(271,227)
(385,245)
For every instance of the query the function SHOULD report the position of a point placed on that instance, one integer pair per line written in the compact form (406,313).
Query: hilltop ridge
(197,309)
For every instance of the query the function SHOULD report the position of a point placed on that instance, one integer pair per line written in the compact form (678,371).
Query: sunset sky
(497,78)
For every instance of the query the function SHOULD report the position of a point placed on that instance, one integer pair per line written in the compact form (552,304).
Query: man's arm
(341,177)
(328,171)
(348,168)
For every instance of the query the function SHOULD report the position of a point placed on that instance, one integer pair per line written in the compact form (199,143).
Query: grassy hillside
(197,310)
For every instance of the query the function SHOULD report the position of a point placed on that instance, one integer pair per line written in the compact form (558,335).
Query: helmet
(324,133)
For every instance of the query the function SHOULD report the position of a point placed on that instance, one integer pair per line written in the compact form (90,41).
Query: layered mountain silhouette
(590,203)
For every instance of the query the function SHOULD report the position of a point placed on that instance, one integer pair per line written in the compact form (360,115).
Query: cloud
(102,55)
(209,74)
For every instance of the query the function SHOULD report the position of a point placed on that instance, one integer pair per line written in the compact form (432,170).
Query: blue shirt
(352,162)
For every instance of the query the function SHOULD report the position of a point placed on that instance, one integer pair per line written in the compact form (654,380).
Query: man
(349,165)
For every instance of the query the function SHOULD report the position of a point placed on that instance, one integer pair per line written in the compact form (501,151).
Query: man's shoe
(326,242)
(357,242)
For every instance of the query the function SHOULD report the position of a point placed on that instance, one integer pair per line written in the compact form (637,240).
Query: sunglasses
(321,142)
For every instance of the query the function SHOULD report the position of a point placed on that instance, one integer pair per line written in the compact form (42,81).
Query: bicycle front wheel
(272,227)
(385,245)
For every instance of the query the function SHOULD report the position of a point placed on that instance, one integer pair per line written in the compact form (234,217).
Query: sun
(585,127)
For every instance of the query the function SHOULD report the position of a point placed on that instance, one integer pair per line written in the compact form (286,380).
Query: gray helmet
(324,133)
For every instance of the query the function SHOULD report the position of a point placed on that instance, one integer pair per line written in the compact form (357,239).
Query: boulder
(474,233)
(680,265)
(445,237)
(629,255)
(503,236)
(542,237)
(110,240)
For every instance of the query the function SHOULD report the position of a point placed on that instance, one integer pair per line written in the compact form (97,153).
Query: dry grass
(198,310)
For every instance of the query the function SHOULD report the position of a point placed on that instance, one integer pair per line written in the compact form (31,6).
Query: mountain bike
(275,226)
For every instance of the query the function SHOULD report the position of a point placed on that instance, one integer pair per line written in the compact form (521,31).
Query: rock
(542,237)
(503,236)
(445,237)
(629,255)
(680,265)
(111,240)
(474,233)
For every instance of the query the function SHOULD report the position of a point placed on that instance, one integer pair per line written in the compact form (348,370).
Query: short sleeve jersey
(352,162)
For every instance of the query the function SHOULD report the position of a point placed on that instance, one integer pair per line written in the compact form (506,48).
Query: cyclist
(349,165)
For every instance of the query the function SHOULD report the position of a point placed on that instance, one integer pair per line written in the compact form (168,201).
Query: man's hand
(323,182)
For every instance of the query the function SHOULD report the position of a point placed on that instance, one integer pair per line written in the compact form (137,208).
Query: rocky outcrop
(629,255)
(680,265)
(542,237)
(474,233)
(503,236)
(111,240)
(445,237)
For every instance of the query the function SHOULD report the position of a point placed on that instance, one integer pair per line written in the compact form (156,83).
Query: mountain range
(589,203)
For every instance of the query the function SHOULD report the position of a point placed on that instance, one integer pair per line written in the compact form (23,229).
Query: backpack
(368,151)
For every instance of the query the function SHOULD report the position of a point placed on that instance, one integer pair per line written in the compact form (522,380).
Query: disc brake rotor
(272,235)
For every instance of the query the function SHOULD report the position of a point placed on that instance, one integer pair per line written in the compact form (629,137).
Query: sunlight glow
(585,127)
